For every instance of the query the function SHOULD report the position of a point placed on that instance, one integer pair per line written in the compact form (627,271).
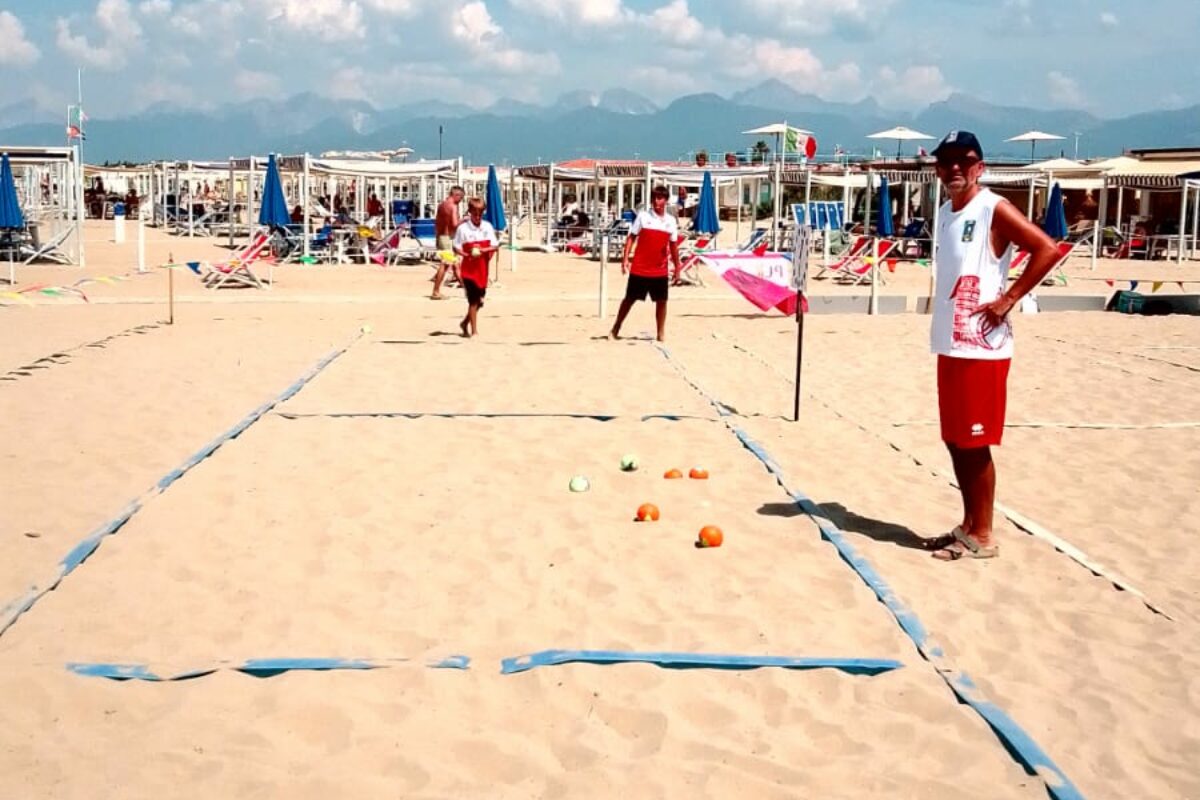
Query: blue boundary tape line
(256,667)
(549,658)
(80,552)
(1022,747)
(484,415)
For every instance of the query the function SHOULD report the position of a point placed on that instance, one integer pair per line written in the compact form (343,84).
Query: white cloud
(155,8)
(331,20)
(1108,19)
(915,86)
(250,83)
(674,23)
(394,7)
(1017,13)
(815,16)
(158,90)
(472,26)
(597,13)
(17,51)
(121,34)
(1064,90)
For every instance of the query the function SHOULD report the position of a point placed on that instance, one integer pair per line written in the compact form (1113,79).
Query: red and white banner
(763,279)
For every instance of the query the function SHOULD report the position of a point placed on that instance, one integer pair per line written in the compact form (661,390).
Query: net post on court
(801,244)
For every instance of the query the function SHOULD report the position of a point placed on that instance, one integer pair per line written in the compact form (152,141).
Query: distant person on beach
(971,333)
(652,242)
(475,242)
(445,225)
(374,206)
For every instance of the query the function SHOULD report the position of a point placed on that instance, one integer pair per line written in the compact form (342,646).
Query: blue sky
(1106,57)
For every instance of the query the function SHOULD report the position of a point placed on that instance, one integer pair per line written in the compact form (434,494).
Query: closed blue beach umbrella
(10,208)
(706,211)
(883,224)
(494,213)
(274,212)
(1055,224)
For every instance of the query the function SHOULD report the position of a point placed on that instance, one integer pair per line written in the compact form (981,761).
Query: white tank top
(969,275)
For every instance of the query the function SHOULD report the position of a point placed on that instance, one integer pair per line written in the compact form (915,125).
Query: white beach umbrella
(900,134)
(1033,137)
(778,130)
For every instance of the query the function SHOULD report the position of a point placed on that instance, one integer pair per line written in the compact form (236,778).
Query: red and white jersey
(969,275)
(652,251)
(467,236)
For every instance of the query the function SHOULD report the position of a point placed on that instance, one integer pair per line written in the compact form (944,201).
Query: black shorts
(475,294)
(639,287)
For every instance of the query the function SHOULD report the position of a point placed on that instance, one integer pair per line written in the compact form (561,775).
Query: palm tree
(759,152)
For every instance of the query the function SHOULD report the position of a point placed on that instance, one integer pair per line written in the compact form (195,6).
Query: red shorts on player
(972,394)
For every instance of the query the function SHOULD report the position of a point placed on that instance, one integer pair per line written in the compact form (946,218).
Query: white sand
(417,538)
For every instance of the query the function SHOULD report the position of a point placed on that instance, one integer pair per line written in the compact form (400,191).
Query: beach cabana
(49,188)
(1151,176)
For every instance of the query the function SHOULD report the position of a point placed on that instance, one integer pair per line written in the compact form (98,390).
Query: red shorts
(972,394)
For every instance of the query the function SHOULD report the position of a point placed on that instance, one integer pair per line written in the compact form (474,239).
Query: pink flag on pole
(764,280)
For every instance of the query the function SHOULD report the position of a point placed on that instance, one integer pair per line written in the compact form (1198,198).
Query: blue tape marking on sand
(1012,736)
(452,662)
(547,658)
(80,552)
(485,415)
(256,667)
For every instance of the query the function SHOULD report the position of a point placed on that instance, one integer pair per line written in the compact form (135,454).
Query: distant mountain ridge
(614,123)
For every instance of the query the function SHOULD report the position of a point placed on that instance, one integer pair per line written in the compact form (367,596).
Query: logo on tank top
(977,429)
(968,231)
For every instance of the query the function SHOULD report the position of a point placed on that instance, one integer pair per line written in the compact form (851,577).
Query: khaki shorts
(445,243)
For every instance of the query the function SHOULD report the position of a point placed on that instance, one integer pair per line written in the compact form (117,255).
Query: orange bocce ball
(647,512)
(711,536)
(698,474)
(672,474)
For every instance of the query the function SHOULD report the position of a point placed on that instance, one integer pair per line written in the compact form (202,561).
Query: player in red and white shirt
(475,242)
(653,241)
(971,333)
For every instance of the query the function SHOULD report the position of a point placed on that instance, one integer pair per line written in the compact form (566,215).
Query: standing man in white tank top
(972,334)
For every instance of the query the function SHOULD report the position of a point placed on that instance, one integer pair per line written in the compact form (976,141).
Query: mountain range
(616,123)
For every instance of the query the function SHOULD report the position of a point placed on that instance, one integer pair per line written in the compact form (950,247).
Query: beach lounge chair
(424,231)
(689,260)
(915,241)
(1020,261)
(860,269)
(237,271)
(49,250)
(850,258)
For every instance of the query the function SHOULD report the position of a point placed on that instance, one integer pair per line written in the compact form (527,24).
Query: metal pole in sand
(141,240)
(170,289)
(603,275)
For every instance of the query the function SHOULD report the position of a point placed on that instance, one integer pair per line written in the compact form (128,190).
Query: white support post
(250,202)
(937,208)
(141,239)
(229,197)
(305,193)
(1096,228)
(603,310)
(1183,207)
(874,307)
(550,205)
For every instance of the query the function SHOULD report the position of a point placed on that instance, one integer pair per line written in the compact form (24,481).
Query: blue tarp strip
(547,658)
(485,415)
(257,667)
(80,552)
(1016,740)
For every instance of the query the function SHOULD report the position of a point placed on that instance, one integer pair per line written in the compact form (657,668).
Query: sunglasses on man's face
(961,161)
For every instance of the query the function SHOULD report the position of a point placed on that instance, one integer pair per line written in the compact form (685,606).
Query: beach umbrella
(900,134)
(1033,137)
(1055,224)
(10,209)
(274,212)
(494,213)
(883,223)
(706,211)
(779,130)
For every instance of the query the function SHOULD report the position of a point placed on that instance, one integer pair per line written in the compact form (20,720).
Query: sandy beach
(411,503)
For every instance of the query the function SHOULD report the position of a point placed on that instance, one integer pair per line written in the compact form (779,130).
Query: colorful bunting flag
(1109,282)
(1154,287)
(1133,286)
